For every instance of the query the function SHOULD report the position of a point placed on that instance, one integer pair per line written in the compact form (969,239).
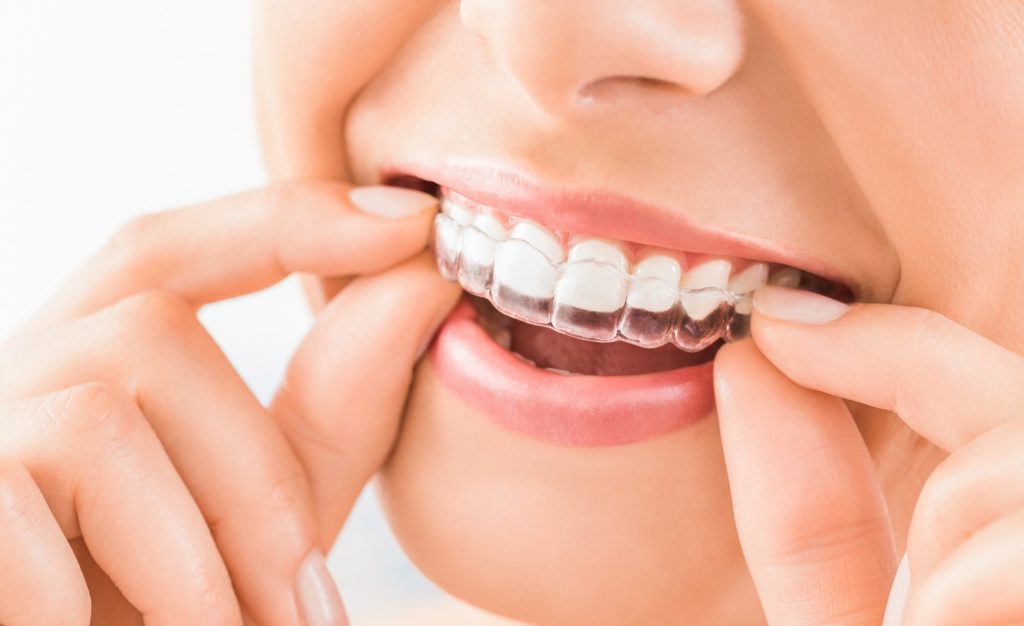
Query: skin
(883,136)
(872,134)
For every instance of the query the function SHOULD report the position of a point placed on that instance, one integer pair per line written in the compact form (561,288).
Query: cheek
(556,535)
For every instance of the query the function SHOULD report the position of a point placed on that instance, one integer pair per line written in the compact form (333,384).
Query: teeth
(714,273)
(588,290)
(659,266)
(600,251)
(460,214)
(588,299)
(753,277)
(447,239)
(479,244)
(540,238)
(524,281)
(652,294)
(490,226)
(710,275)
(652,307)
(592,287)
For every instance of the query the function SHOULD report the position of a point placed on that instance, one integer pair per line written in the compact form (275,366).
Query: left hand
(809,507)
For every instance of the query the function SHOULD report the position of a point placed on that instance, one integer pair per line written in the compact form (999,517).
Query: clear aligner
(589,291)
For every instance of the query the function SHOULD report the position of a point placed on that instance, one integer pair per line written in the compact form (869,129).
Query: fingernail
(796,305)
(392,203)
(897,604)
(317,594)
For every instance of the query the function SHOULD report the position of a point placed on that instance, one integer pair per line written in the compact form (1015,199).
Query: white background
(110,108)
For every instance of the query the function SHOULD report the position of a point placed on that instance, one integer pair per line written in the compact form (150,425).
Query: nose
(567,53)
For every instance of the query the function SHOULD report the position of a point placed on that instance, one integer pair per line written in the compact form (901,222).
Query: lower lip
(567,410)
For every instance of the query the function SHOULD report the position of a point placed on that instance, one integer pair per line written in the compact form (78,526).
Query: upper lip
(606,213)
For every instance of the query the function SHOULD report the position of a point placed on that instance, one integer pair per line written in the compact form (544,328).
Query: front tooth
(592,287)
(659,266)
(478,247)
(490,226)
(710,274)
(651,294)
(588,299)
(460,214)
(753,277)
(540,238)
(524,281)
(598,250)
(714,273)
(786,277)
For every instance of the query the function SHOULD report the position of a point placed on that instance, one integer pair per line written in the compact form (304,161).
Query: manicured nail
(317,595)
(897,604)
(392,203)
(795,305)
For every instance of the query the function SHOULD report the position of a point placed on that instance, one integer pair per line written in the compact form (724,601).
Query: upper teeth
(590,289)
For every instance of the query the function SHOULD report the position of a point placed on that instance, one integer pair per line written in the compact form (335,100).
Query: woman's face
(872,142)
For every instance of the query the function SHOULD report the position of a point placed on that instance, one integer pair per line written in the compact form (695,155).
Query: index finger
(247,241)
(946,382)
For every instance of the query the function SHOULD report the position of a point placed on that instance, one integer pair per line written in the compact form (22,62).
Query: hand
(809,508)
(126,431)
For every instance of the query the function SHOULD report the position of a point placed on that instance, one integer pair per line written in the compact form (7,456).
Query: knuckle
(98,409)
(285,487)
(929,327)
(151,312)
(281,198)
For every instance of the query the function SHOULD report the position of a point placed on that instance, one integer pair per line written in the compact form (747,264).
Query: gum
(467,255)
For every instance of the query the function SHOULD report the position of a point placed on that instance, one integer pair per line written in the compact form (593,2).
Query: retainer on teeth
(525,275)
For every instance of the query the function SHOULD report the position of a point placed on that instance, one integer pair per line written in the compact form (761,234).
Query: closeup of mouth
(588,318)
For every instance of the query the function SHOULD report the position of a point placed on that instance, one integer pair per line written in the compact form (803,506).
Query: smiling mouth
(576,304)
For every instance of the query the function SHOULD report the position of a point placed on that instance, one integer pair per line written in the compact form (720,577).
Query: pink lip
(568,410)
(604,213)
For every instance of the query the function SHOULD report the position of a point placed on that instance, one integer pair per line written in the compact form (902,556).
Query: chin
(545,533)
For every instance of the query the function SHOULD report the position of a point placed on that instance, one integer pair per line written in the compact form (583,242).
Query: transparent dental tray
(587,298)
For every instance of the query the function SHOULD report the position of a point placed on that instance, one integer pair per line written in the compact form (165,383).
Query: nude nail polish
(317,594)
(896,606)
(796,305)
(392,203)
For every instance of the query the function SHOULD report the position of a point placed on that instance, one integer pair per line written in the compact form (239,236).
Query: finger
(346,385)
(238,465)
(244,242)
(948,383)
(809,510)
(970,489)
(979,583)
(109,606)
(36,561)
(106,479)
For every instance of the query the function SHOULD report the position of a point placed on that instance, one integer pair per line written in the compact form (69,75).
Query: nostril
(626,89)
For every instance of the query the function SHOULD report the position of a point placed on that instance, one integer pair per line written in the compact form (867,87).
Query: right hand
(140,479)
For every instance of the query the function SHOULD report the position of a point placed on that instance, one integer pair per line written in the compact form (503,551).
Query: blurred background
(111,108)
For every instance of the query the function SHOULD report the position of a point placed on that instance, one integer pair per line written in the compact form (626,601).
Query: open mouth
(589,319)
(575,304)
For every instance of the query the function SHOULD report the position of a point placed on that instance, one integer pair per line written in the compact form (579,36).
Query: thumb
(345,389)
(810,513)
